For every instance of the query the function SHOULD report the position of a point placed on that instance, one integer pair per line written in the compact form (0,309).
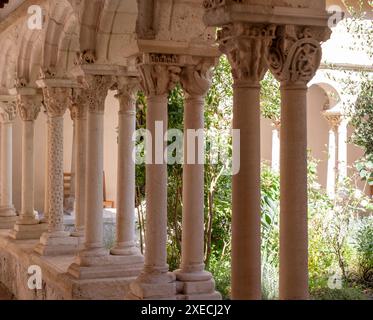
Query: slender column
(46,176)
(334,121)
(342,151)
(125,238)
(94,238)
(7,211)
(28,225)
(69,203)
(79,116)
(56,240)
(244,45)
(157,80)
(196,81)
(276,147)
(294,64)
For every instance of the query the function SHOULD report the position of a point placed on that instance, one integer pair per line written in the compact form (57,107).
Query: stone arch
(29,57)
(7,63)
(107,28)
(61,42)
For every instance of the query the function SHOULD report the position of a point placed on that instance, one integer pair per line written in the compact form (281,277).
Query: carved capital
(29,107)
(126,93)
(159,73)
(78,107)
(7,111)
(56,100)
(295,54)
(334,120)
(245,46)
(196,80)
(95,91)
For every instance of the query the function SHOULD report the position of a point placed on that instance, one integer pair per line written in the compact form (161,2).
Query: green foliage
(347,293)
(270,98)
(364,252)
(361,118)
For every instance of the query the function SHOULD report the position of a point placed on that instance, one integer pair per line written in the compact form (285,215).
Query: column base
(196,286)
(104,265)
(28,231)
(56,243)
(8,222)
(153,286)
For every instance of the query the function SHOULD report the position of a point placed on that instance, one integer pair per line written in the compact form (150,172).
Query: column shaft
(55,163)
(342,151)
(80,176)
(94,184)
(193,195)
(47,172)
(6,208)
(156,190)
(125,241)
(246,222)
(331,164)
(293,218)
(27,210)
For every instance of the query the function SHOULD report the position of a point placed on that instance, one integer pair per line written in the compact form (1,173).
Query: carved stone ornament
(78,107)
(7,111)
(56,100)
(29,107)
(213,4)
(333,119)
(245,46)
(126,93)
(158,79)
(95,91)
(196,80)
(295,55)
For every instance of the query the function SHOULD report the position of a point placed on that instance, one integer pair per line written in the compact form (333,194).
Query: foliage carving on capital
(213,4)
(158,79)
(295,54)
(127,89)
(8,111)
(78,107)
(196,80)
(334,120)
(95,91)
(29,107)
(56,100)
(245,45)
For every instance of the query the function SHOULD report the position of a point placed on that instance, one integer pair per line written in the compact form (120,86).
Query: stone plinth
(17,256)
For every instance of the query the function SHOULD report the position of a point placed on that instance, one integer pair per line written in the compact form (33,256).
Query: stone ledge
(17,256)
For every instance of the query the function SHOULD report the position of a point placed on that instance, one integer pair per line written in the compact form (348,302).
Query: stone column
(56,240)
(7,212)
(245,44)
(69,203)
(46,177)
(294,57)
(334,122)
(276,146)
(28,225)
(125,238)
(79,115)
(196,282)
(155,281)
(342,150)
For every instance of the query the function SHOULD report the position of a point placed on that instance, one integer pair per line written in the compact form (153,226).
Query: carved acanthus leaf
(95,91)
(78,107)
(56,100)
(85,57)
(245,46)
(7,111)
(127,89)
(29,107)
